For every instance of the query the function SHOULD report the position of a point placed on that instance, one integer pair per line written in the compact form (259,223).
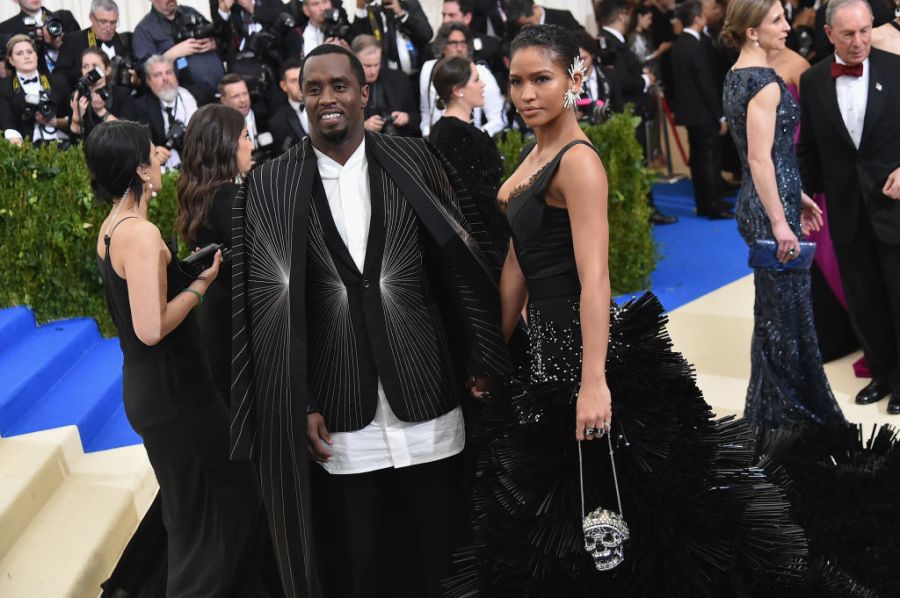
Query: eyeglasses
(105,22)
(457,43)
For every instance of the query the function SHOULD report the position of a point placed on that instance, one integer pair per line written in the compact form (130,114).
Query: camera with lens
(336,25)
(175,136)
(52,25)
(192,26)
(39,103)
(388,128)
(87,82)
(264,44)
(122,67)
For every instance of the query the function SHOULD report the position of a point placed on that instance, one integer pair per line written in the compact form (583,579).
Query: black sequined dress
(704,522)
(787,381)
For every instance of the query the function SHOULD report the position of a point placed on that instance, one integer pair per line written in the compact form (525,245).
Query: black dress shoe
(717,214)
(658,217)
(872,393)
(894,403)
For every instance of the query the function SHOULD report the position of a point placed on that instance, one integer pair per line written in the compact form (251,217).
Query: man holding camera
(261,30)
(101,34)
(45,28)
(402,28)
(187,39)
(167,109)
(391,108)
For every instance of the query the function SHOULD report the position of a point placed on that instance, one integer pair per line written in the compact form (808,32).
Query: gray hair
(835,5)
(156,59)
(104,5)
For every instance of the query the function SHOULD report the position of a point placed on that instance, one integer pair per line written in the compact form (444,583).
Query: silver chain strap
(612,461)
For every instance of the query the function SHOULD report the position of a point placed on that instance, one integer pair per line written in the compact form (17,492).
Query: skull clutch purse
(605,531)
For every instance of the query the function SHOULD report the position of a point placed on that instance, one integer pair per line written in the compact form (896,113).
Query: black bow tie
(27,81)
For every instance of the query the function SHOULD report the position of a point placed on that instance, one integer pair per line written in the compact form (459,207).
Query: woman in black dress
(210,506)
(217,152)
(469,150)
(105,101)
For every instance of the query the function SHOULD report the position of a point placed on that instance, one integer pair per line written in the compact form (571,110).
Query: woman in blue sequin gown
(787,380)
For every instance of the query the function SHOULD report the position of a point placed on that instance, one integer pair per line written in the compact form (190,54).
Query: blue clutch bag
(763,255)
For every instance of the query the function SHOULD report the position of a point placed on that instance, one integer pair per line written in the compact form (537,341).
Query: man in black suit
(166,108)
(629,81)
(488,50)
(850,149)
(489,18)
(698,106)
(525,12)
(391,108)
(289,124)
(364,294)
(402,27)
(102,33)
(36,21)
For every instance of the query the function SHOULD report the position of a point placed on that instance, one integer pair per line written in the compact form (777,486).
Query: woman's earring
(897,12)
(570,98)
(756,44)
(460,94)
(150,186)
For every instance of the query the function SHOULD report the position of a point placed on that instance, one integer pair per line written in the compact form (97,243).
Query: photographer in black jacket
(96,98)
(45,28)
(402,28)
(101,34)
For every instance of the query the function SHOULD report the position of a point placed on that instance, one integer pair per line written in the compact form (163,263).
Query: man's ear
(364,94)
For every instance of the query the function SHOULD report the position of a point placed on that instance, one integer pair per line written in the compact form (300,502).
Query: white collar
(694,33)
(297,106)
(31,75)
(615,33)
(543,15)
(331,169)
(865,63)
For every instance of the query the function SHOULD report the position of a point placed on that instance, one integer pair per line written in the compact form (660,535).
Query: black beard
(335,136)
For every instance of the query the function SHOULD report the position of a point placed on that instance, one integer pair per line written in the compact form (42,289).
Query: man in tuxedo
(33,19)
(166,109)
(698,107)
(402,27)
(629,81)
(850,149)
(391,101)
(525,12)
(364,295)
(234,93)
(290,123)
(102,33)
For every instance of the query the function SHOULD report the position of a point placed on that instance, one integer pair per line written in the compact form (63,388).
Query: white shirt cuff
(646,82)
(12,135)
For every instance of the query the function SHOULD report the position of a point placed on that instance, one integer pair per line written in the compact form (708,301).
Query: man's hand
(651,77)
(225,5)
(162,154)
(401,119)
(664,47)
(374,123)
(892,185)
(394,5)
(338,41)
(188,47)
(318,437)
(723,128)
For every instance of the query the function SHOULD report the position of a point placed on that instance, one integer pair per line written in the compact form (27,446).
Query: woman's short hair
(208,161)
(113,152)
(449,73)
(17,39)
(96,52)
(443,36)
(559,43)
(740,16)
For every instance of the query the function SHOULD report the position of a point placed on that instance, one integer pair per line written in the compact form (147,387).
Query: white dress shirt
(312,38)
(109,49)
(693,33)
(250,121)
(184,105)
(852,97)
(387,441)
(301,114)
(493,102)
(41,132)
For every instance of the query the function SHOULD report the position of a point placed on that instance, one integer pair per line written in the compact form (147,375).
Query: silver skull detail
(605,534)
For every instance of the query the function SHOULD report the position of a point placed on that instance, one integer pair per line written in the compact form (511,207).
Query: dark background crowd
(59,80)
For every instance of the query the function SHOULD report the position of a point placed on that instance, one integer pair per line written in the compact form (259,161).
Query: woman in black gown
(209,505)
(217,153)
(469,150)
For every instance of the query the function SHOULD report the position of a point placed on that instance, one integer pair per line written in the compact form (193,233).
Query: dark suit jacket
(625,75)
(16,24)
(149,112)
(265,12)
(563,18)
(286,129)
(12,104)
(416,28)
(484,11)
(698,100)
(830,163)
(271,387)
(74,44)
(391,92)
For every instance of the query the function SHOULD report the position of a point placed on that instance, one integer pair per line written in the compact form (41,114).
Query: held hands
(592,410)
(788,245)
(317,437)
(810,216)
(892,185)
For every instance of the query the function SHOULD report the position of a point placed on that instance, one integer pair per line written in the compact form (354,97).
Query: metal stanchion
(669,176)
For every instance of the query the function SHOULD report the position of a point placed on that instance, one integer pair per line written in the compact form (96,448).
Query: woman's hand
(209,275)
(788,245)
(811,216)
(592,410)
(97,103)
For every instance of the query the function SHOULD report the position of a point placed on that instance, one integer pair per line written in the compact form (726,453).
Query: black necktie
(170,116)
(27,81)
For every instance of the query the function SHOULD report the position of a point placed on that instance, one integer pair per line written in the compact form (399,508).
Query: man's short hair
(586,42)
(229,79)
(290,65)
(688,11)
(610,10)
(154,60)
(465,6)
(518,8)
(104,5)
(364,42)
(835,5)
(324,49)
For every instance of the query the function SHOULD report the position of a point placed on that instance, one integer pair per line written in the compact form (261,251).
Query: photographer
(95,98)
(391,108)
(186,38)
(325,25)
(263,30)
(32,103)
(217,153)
(101,34)
(45,28)
(402,27)
(168,109)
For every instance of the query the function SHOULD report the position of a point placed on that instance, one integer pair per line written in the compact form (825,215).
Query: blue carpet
(64,373)
(697,256)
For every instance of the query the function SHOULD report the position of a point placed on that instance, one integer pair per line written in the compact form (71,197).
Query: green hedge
(632,252)
(48,233)
(49,223)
